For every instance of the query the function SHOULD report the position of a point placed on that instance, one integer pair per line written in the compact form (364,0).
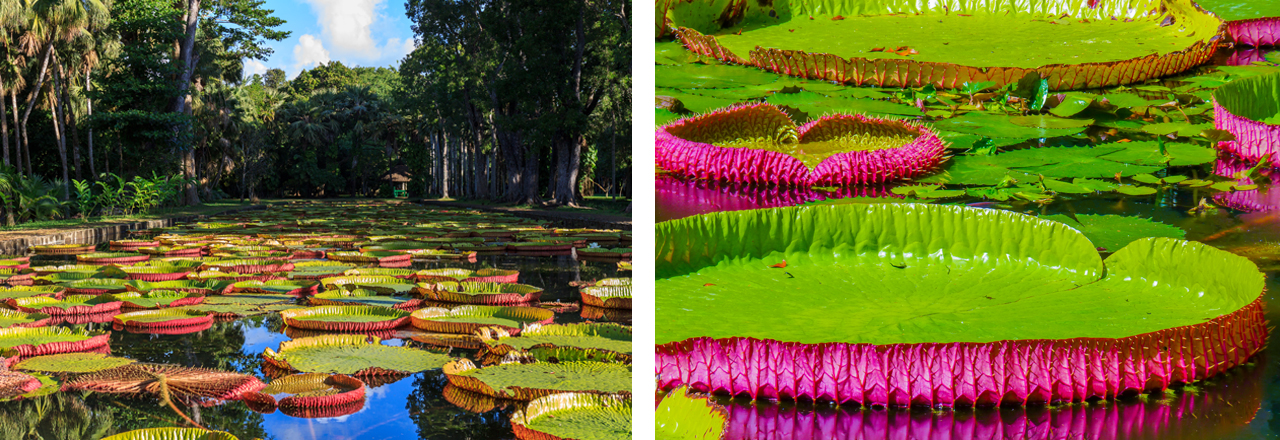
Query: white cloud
(254,67)
(308,53)
(396,49)
(346,25)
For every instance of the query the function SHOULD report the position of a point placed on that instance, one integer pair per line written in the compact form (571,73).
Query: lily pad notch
(758,143)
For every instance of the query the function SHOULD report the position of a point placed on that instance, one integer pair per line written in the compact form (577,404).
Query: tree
(275,78)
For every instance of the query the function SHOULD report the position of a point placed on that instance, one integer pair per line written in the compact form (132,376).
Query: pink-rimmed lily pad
(159,298)
(209,287)
(573,416)
(17,318)
(525,380)
(356,355)
(1249,110)
(62,249)
(156,273)
(927,305)
(758,143)
(491,294)
(308,390)
(609,297)
(51,340)
(345,318)
(112,258)
(163,319)
(285,287)
(68,305)
(468,319)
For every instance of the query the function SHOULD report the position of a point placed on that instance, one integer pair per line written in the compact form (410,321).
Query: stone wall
(19,246)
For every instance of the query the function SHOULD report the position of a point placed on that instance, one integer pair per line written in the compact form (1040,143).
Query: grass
(75,223)
(590,204)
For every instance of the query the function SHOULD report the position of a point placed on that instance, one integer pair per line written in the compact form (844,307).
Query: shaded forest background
(516,101)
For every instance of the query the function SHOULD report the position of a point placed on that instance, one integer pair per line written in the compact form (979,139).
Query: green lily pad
(1113,232)
(604,336)
(527,381)
(71,363)
(817,105)
(904,278)
(350,354)
(1000,126)
(681,417)
(577,416)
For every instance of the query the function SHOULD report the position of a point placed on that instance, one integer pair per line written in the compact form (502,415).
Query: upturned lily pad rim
(172,434)
(907,72)
(425,318)
(391,318)
(524,420)
(460,373)
(280,359)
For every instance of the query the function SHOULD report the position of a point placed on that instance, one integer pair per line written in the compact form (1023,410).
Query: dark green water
(412,407)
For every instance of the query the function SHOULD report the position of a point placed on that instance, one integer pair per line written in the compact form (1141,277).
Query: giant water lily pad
(362,297)
(165,321)
(583,336)
(468,319)
(527,381)
(184,384)
(309,390)
(287,287)
(206,287)
(910,284)
(51,340)
(610,297)
(680,417)
(15,318)
(479,293)
(574,415)
(1113,232)
(1249,109)
(758,143)
(71,363)
(68,305)
(900,43)
(346,318)
(351,354)
(158,299)
(386,285)
(1252,23)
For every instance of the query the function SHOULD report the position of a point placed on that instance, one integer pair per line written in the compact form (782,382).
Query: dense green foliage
(139,88)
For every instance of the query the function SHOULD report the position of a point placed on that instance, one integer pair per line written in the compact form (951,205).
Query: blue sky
(372,33)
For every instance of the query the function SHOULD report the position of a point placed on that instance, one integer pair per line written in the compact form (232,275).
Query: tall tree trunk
(17,132)
(88,87)
(31,103)
(58,131)
(444,157)
(69,122)
(568,159)
(4,123)
(613,154)
(181,102)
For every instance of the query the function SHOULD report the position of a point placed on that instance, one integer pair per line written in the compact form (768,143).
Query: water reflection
(1215,410)
(395,407)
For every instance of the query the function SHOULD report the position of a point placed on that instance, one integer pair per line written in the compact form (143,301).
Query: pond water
(408,407)
(1236,405)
